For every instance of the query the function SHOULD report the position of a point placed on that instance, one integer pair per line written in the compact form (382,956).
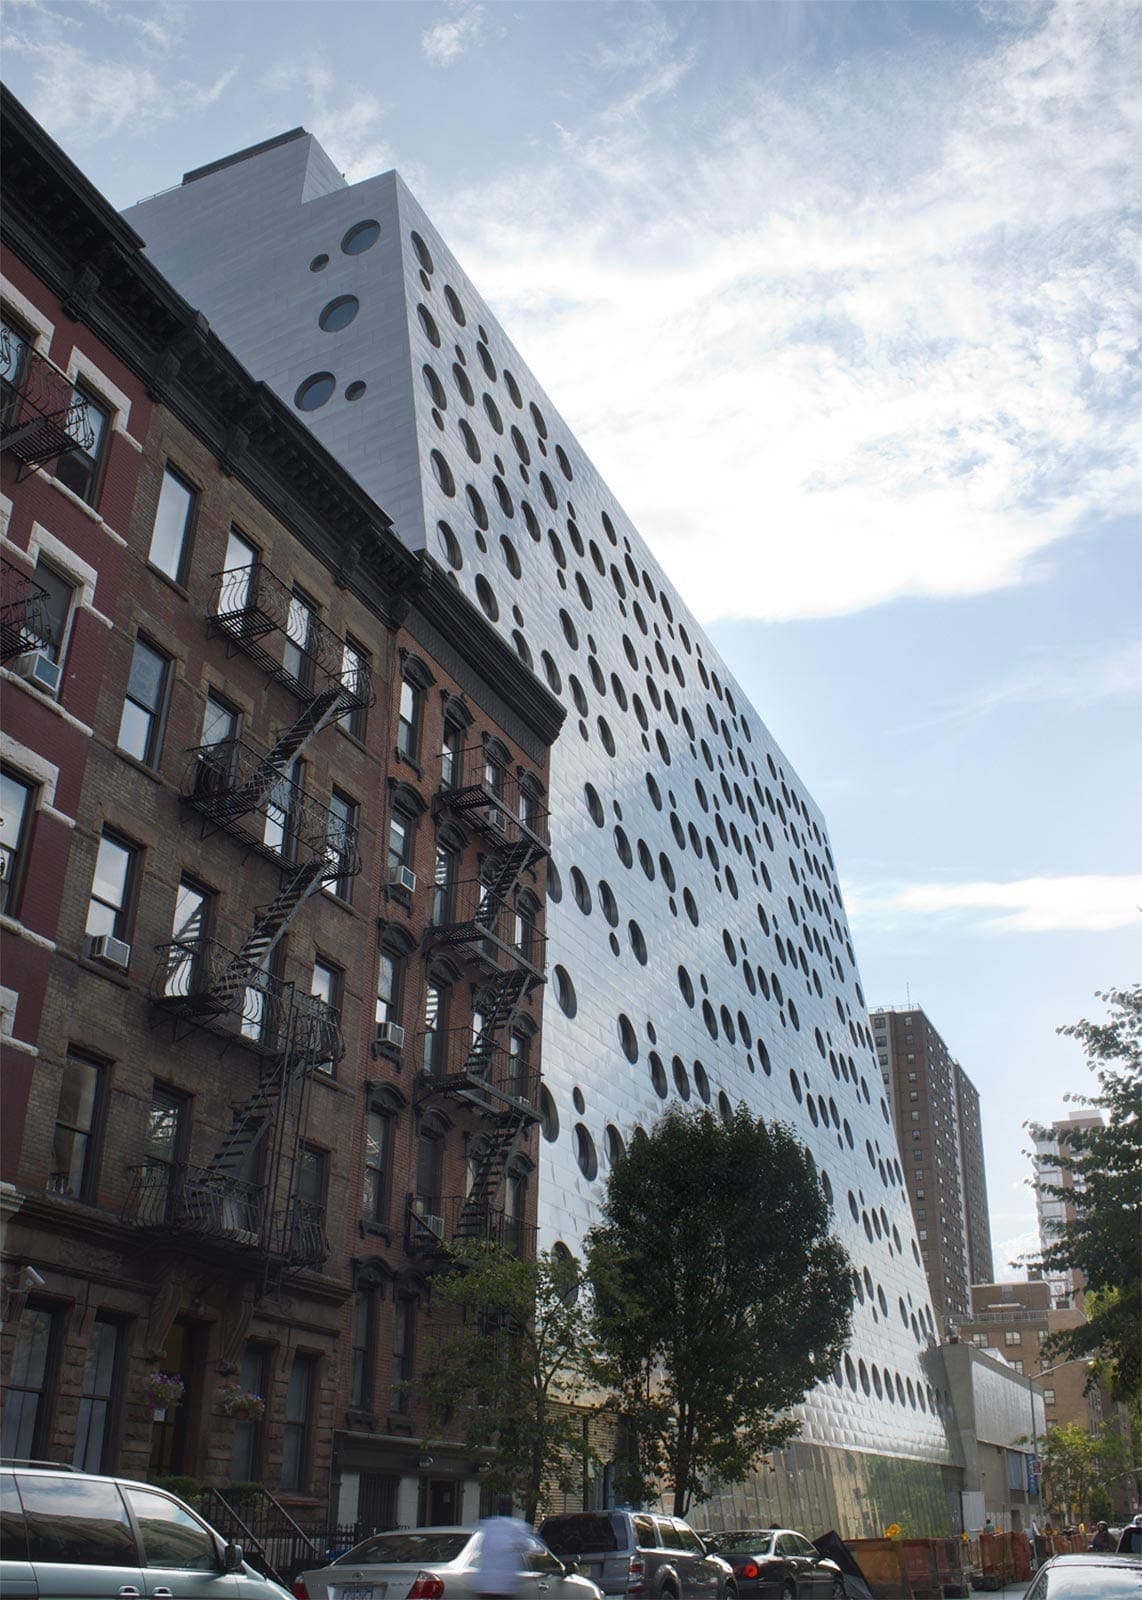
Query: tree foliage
(1104,1165)
(1079,1467)
(508,1371)
(721,1298)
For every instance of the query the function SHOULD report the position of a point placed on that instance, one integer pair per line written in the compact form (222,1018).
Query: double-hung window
(444,891)
(297,652)
(238,573)
(341,838)
(144,706)
(435,1026)
(402,832)
(281,810)
(59,595)
(174,522)
(81,468)
(296,1434)
(77,1127)
(24,1434)
(188,937)
(17,809)
(389,969)
(409,717)
(326,986)
(355,677)
(404,1334)
(94,1432)
(112,888)
(378,1159)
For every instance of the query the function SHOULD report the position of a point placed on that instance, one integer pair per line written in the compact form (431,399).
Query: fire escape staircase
(476,916)
(252,795)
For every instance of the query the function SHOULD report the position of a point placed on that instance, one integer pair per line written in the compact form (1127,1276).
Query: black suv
(640,1553)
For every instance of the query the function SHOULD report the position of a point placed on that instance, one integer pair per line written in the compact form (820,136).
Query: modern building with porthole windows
(698,950)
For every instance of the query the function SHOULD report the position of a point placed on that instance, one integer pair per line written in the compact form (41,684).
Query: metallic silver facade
(698,946)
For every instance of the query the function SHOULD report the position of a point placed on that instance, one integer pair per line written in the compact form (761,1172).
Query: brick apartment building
(1054,1211)
(274,873)
(935,1109)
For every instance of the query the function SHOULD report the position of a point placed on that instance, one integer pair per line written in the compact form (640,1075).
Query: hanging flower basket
(164,1390)
(241,1404)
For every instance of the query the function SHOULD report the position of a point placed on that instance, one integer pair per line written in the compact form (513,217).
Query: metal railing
(490,1074)
(24,621)
(232,784)
(466,913)
(252,604)
(213,986)
(179,1197)
(492,797)
(458,1223)
(42,414)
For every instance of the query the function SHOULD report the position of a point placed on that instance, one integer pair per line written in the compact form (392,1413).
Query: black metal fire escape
(254,796)
(42,415)
(480,918)
(23,612)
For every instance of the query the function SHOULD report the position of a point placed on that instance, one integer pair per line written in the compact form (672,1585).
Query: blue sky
(842,299)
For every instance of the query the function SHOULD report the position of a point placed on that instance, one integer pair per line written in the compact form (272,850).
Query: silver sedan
(434,1564)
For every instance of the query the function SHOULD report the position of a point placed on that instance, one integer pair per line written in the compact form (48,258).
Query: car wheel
(838,1589)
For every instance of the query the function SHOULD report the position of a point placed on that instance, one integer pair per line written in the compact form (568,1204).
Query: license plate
(357,1591)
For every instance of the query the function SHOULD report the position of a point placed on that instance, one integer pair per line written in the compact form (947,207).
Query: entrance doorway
(438,1502)
(170,1433)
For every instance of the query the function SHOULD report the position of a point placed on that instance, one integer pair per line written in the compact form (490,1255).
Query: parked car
(67,1533)
(433,1564)
(779,1562)
(1088,1576)
(640,1553)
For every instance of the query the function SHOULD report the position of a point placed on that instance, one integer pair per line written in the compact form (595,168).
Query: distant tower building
(935,1107)
(1056,1211)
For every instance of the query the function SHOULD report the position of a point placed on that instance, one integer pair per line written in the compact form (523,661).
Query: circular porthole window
(450,545)
(339,313)
(361,236)
(442,473)
(314,391)
(585,1153)
(422,253)
(565,992)
(356,389)
(319,263)
(428,323)
(485,594)
(548,1115)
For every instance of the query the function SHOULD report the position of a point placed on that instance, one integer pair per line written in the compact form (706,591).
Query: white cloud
(1065,677)
(347,122)
(864,337)
(445,42)
(1089,904)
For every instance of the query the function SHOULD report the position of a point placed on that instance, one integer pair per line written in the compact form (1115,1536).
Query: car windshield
(399,1549)
(571,1536)
(745,1544)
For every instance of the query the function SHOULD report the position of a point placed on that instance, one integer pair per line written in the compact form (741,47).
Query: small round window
(319,263)
(338,313)
(585,1153)
(356,389)
(314,391)
(361,236)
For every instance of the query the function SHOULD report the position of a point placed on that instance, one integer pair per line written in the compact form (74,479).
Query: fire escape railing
(41,413)
(181,1198)
(240,789)
(204,982)
(260,614)
(468,913)
(24,621)
(459,1223)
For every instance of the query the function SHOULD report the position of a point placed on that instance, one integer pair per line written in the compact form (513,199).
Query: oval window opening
(339,313)
(314,391)
(361,236)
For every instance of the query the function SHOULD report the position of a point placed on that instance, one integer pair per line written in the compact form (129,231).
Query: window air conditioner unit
(403,878)
(39,668)
(496,817)
(432,1223)
(390,1033)
(108,951)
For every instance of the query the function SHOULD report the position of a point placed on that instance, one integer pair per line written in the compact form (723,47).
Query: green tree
(1079,1466)
(1103,1239)
(721,1298)
(508,1372)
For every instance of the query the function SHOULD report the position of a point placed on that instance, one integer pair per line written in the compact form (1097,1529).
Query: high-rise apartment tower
(1056,1210)
(698,947)
(935,1107)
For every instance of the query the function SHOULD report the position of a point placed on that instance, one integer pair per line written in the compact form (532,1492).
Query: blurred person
(505,1542)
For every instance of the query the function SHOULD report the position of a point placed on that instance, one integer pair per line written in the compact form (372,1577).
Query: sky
(842,299)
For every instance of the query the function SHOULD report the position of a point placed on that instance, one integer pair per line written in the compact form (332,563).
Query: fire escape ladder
(508,865)
(255,790)
(268,929)
(502,1139)
(251,1123)
(504,1002)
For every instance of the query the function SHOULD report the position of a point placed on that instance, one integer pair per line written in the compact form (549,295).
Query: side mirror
(233,1558)
(572,1564)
